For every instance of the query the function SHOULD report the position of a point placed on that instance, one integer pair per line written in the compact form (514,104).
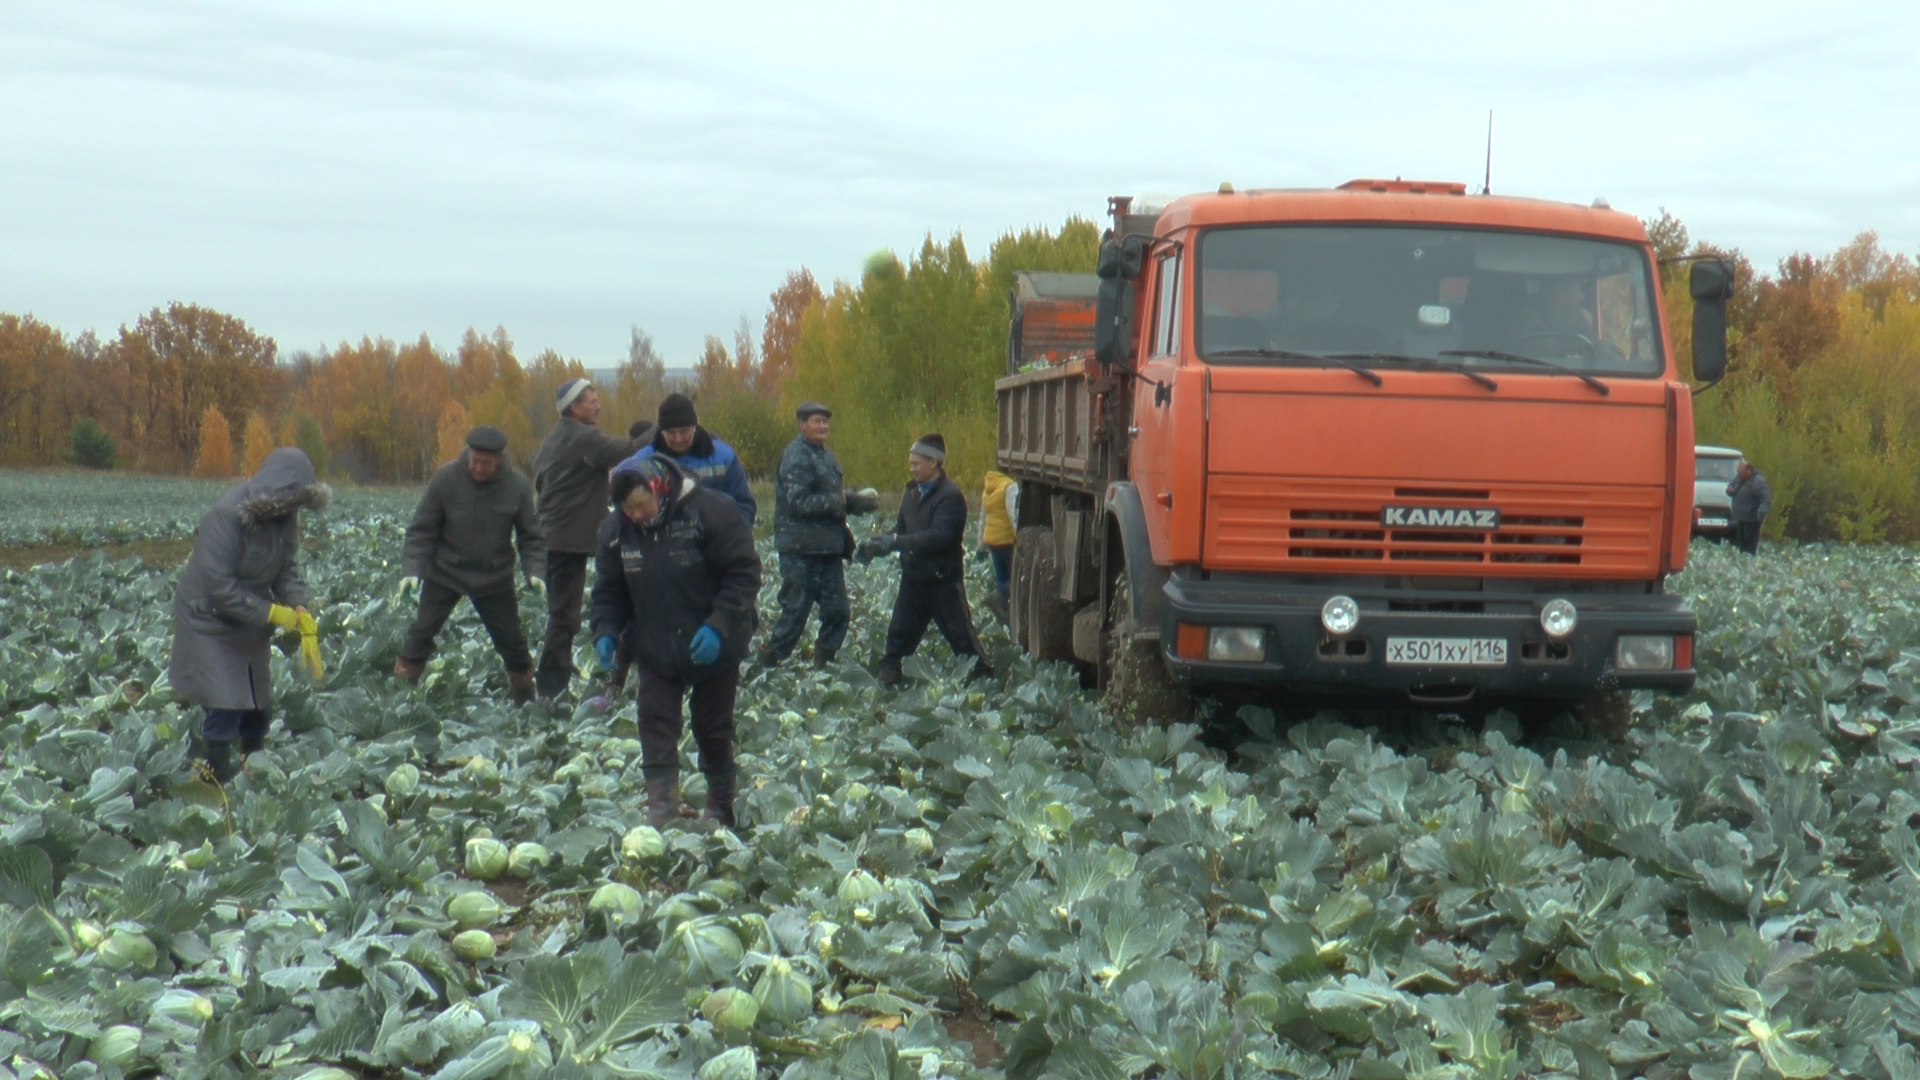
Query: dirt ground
(158,552)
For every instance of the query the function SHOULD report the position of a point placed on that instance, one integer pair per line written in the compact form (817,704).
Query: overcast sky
(332,170)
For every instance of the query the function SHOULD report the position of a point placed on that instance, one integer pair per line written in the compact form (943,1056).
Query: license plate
(1721,522)
(1447,651)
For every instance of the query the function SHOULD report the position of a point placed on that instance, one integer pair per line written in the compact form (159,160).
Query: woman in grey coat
(242,582)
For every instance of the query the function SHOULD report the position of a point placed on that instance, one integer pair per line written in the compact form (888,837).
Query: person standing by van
(1752,502)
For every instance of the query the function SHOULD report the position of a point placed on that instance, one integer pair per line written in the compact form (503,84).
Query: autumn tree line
(1822,392)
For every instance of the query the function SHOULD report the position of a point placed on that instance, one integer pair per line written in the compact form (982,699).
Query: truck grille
(1259,524)
(1350,535)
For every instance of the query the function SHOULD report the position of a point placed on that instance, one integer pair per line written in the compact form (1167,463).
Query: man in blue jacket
(712,463)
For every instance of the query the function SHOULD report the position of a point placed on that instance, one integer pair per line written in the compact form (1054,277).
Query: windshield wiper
(1516,358)
(1287,354)
(1422,363)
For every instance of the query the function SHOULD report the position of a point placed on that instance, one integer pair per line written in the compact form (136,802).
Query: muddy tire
(1606,714)
(1138,687)
(1049,622)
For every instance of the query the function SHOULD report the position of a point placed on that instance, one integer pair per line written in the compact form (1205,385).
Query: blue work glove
(603,647)
(706,646)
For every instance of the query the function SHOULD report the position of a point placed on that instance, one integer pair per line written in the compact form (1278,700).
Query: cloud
(332,170)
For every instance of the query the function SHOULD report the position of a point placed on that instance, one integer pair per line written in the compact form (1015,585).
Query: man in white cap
(570,477)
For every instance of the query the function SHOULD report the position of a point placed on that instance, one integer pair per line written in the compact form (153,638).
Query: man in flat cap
(570,477)
(476,510)
(810,511)
(933,516)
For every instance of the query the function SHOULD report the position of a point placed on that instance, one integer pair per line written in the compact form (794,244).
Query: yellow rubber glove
(283,617)
(308,627)
(310,656)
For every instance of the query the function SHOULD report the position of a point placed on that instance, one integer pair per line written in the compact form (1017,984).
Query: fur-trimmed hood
(285,483)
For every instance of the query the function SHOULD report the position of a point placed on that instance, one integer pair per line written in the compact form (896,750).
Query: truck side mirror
(1711,283)
(1120,263)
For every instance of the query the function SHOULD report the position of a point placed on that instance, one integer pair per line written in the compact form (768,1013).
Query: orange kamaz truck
(1388,440)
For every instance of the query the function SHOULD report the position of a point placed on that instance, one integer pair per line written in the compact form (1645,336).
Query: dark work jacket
(570,476)
(810,504)
(1752,498)
(697,567)
(463,533)
(927,532)
(712,464)
(245,560)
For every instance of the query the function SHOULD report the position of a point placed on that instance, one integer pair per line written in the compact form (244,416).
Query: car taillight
(1683,652)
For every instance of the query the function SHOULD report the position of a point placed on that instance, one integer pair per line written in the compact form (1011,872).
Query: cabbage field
(952,880)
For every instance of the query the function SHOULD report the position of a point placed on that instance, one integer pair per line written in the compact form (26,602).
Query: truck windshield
(1483,298)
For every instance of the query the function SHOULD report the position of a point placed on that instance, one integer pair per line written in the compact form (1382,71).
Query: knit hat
(808,408)
(930,446)
(569,393)
(487,439)
(677,412)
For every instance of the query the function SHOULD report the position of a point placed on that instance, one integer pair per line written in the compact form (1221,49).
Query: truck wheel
(1139,689)
(1607,714)
(1025,543)
(1049,630)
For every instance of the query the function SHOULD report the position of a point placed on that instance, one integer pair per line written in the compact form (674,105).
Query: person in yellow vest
(996,535)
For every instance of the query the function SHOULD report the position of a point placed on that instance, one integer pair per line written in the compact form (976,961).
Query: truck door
(1158,360)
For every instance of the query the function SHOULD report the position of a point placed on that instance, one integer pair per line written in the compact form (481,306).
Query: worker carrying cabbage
(933,517)
(241,584)
(676,566)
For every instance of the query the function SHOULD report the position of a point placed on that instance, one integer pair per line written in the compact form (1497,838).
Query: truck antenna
(1486,184)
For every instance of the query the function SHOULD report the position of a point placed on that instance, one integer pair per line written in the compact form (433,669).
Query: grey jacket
(570,476)
(245,559)
(463,533)
(810,506)
(1752,498)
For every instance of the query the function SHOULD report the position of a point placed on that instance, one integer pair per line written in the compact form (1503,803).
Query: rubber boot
(217,756)
(410,670)
(549,685)
(252,744)
(520,686)
(719,795)
(822,660)
(889,674)
(663,794)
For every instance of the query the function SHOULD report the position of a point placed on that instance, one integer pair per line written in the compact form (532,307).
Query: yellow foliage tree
(215,460)
(259,444)
(453,429)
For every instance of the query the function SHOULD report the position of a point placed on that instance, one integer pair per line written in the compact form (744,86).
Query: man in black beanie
(711,463)
(933,517)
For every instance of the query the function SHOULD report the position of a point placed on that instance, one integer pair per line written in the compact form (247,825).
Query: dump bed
(1052,319)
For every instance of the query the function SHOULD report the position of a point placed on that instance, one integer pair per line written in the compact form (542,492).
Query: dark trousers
(807,580)
(944,603)
(247,725)
(1746,536)
(566,590)
(660,722)
(1002,556)
(499,611)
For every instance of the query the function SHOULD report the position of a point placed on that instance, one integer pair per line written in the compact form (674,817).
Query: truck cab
(1386,440)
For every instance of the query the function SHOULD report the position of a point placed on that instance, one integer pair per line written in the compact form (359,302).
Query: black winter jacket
(464,532)
(570,476)
(696,567)
(927,533)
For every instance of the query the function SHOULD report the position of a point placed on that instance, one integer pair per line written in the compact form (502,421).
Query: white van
(1713,469)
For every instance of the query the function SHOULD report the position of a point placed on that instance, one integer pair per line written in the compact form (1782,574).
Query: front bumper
(1300,656)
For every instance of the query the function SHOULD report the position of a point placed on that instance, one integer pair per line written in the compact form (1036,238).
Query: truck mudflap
(1428,647)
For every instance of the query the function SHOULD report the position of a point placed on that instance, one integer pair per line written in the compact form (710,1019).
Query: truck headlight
(1558,618)
(1241,644)
(1340,615)
(1644,652)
